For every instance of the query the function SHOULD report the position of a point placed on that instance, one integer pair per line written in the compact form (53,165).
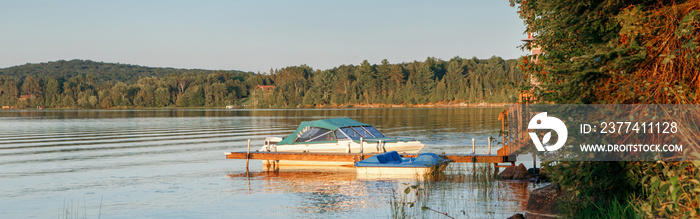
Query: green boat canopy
(325,130)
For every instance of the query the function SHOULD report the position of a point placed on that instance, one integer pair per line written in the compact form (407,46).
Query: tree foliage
(492,80)
(88,84)
(99,72)
(612,51)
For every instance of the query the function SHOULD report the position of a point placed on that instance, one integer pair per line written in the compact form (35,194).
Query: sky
(256,35)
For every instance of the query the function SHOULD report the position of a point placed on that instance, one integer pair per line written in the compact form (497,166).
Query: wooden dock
(354,157)
(511,120)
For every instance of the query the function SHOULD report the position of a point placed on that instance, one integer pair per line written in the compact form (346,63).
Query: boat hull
(391,165)
(398,172)
(340,147)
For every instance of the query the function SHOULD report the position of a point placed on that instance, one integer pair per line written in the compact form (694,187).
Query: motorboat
(337,135)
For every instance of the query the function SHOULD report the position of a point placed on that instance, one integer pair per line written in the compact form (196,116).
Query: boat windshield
(341,135)
(357,132)
(316,134)
(373,131)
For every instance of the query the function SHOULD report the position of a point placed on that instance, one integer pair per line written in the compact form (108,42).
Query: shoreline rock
(543,202)
(514,172)
(517,216)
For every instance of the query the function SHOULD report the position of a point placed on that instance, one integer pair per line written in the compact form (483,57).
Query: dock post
(362,148)
(247,157)
(489,145)
(382,146)
(473,151)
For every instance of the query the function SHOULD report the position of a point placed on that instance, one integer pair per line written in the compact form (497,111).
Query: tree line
(92,85)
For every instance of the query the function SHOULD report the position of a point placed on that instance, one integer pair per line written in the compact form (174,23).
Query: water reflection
(321,190)
(457,192)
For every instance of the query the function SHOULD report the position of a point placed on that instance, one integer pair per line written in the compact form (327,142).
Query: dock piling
(247,162)
(362,148)
(473,150)
(247,157)
(489,145)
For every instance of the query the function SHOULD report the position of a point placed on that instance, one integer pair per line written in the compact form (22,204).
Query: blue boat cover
(392,159)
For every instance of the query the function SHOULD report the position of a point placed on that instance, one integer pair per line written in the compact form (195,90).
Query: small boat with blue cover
(391,164)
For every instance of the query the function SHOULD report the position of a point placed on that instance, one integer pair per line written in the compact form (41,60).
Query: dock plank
(354,157)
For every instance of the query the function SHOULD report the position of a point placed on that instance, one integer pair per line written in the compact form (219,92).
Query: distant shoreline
(330,106)
(428,105)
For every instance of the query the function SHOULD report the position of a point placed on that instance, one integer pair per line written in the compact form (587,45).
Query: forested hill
(99,71)
(88,84)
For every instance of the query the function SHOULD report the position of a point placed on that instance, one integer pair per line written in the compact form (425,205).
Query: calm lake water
(171,164)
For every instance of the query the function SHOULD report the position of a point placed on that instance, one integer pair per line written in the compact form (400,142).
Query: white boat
(337,135)
(392,165)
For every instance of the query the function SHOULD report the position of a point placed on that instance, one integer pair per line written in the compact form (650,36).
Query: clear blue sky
(256,35)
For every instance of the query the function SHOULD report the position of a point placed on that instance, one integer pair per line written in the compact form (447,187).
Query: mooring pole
(247,162)
(362,148)
(247,157)
(473,150)
(534,160)
(489,145)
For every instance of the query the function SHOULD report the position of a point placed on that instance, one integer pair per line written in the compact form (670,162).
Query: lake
(171,164)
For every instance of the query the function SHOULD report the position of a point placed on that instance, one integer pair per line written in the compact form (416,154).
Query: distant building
(535,51)
(265,87)
(264,94)
(26,97)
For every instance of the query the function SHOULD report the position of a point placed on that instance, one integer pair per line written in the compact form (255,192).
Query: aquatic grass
(70,211)
(461,190)
(398,205)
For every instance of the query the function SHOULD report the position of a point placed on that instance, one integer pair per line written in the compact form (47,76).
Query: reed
(398,204)
(461,190)
(75,210)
